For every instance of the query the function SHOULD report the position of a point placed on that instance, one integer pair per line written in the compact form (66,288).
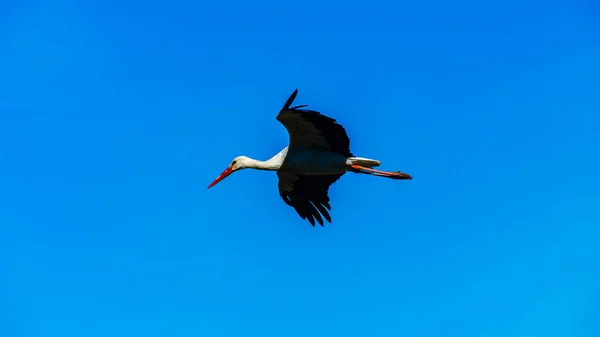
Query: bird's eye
(233,162)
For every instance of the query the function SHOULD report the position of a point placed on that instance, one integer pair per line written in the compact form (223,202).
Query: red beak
(223,175)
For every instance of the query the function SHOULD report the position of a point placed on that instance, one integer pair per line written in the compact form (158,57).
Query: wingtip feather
(290,100)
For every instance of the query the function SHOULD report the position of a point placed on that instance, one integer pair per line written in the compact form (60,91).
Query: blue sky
(115,116)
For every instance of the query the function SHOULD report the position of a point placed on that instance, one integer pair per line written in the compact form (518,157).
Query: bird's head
(238,163)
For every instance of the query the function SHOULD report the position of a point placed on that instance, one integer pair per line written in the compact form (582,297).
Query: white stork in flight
(317,156)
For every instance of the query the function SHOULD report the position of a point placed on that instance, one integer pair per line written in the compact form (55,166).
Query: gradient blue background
(115,116)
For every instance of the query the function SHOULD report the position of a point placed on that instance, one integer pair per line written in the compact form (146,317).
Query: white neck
(272,164)
(268,165)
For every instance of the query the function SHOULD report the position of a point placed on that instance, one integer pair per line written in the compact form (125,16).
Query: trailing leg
(391,175)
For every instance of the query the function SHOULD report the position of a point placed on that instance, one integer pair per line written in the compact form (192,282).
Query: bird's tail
(363,161)
(365,166)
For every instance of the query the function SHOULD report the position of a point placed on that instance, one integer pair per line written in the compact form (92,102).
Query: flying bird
(317,156)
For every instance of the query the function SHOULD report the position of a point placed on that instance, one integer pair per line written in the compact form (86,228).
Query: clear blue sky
(115,116)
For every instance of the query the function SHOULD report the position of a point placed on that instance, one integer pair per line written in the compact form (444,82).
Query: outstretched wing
(309,129)
(308,195)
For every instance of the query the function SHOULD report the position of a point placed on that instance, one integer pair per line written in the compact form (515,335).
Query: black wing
(311,129)
(308,195)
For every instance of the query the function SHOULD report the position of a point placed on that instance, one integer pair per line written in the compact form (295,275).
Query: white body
(305,162)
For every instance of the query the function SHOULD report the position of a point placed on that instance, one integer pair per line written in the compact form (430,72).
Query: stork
(318,154)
